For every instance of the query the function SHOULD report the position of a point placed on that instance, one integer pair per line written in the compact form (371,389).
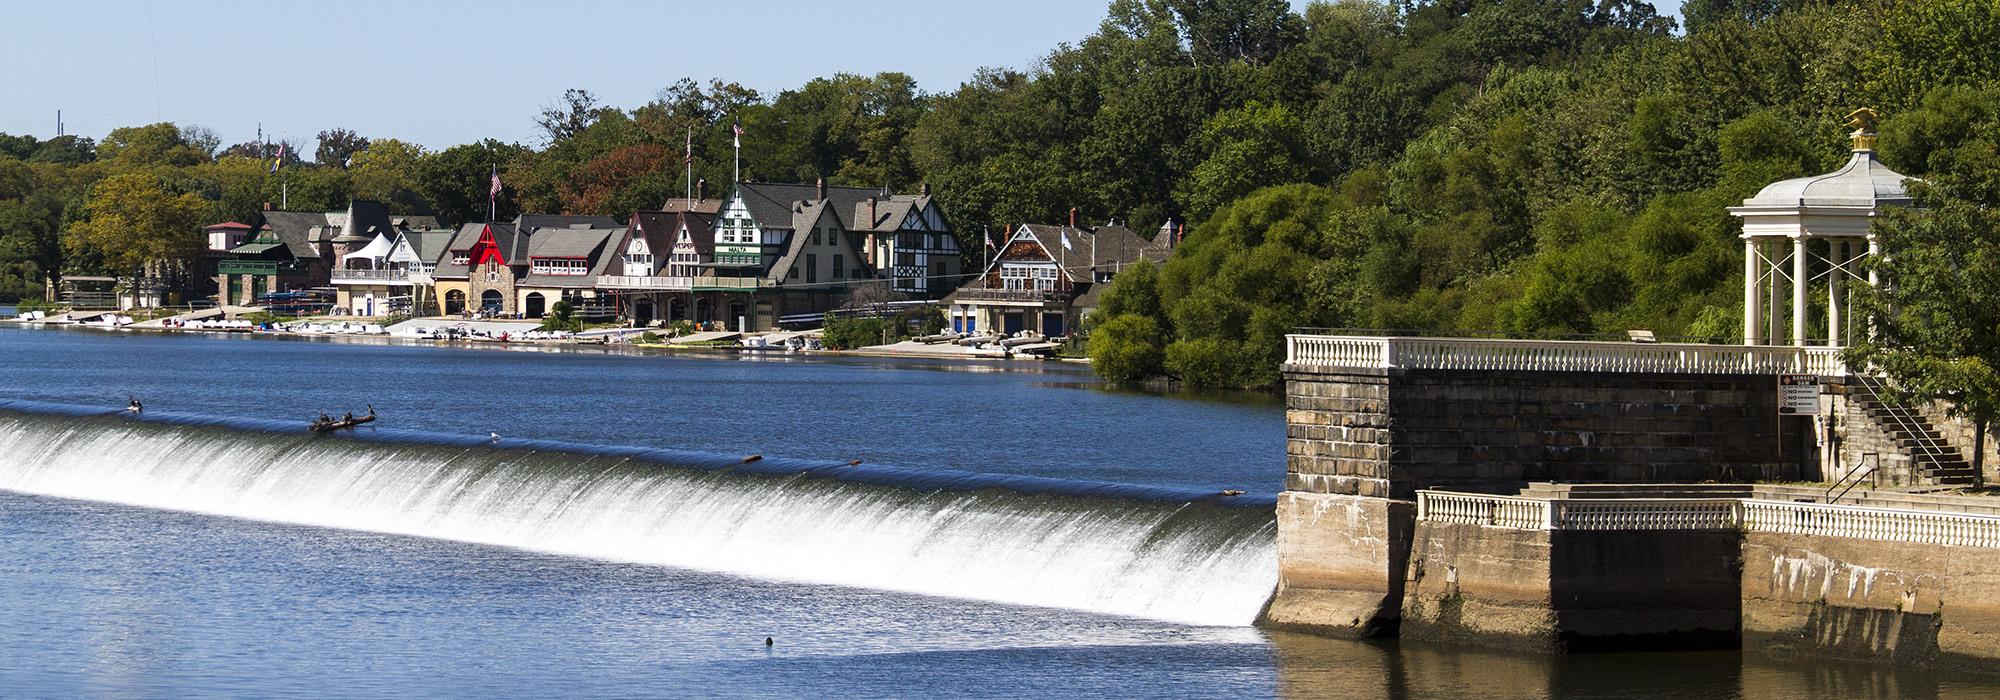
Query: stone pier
(1370,421)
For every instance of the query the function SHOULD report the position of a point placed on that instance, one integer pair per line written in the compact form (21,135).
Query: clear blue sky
(449,71)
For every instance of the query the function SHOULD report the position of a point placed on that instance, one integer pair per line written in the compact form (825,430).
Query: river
(1011,530)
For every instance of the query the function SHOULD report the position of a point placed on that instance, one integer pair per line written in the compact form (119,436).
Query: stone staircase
(1931,457)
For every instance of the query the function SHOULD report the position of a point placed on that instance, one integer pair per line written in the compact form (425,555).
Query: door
(454,302)
(1013,322)
(642,313)
(1052,324)
(537,305)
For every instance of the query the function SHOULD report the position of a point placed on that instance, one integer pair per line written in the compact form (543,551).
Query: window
(638,265)
(837,267)
(461,257)
(1021,277)
(1045,278)
(1013,278)
(558,266)
(812,267)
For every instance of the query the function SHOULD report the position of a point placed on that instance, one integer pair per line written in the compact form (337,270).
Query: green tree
(133,221)
(1936,324)
(338,146)
(1246,150)
(1127,348)
(153,144)
(386,171)
(456,180)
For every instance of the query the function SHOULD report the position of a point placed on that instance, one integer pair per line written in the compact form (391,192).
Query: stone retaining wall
(1387,433)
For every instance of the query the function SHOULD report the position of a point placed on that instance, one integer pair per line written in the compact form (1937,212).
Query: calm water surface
(106,600)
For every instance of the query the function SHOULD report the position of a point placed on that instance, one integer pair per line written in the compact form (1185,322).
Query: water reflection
(1317,667)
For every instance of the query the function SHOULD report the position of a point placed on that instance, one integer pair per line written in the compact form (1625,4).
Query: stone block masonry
(1563,591)
(1871,600)
(1388,432)
(1341,564)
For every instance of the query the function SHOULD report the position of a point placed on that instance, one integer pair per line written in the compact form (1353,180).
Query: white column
(1752,308)
(1799,291)
(1836,251)
(1874,254)
(1774,317)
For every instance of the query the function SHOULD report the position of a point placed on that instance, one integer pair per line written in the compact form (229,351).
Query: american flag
(989,241)
(495,191)
(687,156)
(737,126)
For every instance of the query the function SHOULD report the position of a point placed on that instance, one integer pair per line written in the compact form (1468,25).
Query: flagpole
(689,158)
(491,204)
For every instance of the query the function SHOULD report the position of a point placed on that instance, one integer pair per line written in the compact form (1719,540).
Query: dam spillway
(1168,554)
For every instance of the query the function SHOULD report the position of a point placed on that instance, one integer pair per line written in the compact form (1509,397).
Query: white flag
(1065,240)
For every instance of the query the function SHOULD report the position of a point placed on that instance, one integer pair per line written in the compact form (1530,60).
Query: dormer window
(558,266)
(461,257)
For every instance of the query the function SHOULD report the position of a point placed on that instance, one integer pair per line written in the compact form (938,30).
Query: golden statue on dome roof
(1863,122)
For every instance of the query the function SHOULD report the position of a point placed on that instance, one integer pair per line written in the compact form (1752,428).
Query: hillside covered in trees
(1530,167)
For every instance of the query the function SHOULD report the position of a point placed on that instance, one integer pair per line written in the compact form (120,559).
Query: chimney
(701,190)
(267,206)
(924,189)
(820,184)
(871,212)
(1072,217)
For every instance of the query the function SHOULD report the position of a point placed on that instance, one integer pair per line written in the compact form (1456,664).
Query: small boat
(329,424)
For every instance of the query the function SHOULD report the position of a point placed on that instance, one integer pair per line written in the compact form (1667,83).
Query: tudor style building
(1047,278)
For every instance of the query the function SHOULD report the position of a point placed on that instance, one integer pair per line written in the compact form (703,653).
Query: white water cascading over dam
(1163,554)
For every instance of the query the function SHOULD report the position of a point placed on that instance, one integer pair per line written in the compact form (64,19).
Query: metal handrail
(1857,474)
(1927,446)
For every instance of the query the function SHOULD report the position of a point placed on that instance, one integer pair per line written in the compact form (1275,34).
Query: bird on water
(767,642)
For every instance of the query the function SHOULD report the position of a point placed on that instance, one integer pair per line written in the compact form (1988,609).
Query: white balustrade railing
(367,276)
(638,282)
(1510,512)
(1358,352)
(1647,513)
(1914,526)
(1747,515)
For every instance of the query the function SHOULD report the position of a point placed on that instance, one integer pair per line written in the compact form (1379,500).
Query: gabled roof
(889,212)
(1075,261)
(428,245)
(567,242)
(296,230)
(415,221)
(535,221)
(701,229)
(467,236)
(803,220)
(227,226)
(593,244)
(709,206)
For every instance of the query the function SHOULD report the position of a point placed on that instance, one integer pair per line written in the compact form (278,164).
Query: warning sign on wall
(1798,394)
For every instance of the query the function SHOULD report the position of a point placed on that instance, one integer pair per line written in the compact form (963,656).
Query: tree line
(1527,167)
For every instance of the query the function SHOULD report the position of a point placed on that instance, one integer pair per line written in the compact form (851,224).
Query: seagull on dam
(492,437)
